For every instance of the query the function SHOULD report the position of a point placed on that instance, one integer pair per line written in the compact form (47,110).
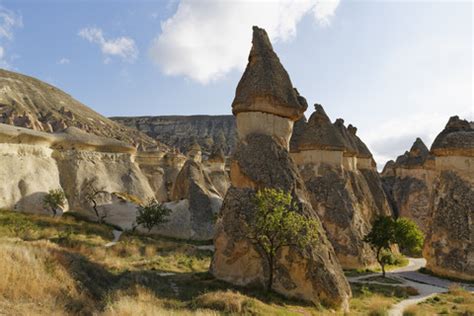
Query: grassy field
(59,266)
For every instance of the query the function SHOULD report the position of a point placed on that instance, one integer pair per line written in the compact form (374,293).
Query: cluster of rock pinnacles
(324,165)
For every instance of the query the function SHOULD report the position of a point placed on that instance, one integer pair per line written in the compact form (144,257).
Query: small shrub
(54,200)
(152,214)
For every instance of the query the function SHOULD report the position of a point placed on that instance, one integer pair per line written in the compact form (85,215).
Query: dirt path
(426,285)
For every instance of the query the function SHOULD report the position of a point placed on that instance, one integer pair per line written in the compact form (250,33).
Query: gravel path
(426,285)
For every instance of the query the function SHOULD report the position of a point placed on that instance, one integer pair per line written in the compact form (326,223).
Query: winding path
(426,285)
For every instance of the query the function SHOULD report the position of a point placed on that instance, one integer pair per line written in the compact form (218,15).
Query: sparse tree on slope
(276,224)
(387,231)
(54,200)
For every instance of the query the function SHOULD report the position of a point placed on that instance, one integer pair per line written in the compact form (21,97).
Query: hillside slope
(31,103)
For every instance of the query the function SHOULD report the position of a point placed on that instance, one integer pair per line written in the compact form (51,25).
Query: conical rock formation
(346,197)
(262,160)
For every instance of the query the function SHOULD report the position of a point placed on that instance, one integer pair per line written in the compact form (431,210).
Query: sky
(395,69)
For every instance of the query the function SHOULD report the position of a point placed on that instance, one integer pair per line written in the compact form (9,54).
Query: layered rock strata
(35,162)
(342,182)
(266,105)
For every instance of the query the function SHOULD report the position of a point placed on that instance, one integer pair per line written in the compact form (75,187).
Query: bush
(152,214)
(54,200)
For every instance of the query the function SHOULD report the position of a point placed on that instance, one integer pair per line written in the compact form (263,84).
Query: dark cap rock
(265,85)
(457,138)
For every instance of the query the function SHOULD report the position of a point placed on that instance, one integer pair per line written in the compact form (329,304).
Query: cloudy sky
(395,69)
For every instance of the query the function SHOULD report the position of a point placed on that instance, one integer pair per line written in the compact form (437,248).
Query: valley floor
(61,266)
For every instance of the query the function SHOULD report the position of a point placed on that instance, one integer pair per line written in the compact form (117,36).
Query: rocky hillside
(31,103)
(182,131)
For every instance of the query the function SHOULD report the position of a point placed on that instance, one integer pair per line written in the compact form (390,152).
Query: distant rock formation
(195,204)
(344,187)
(408,182)
(436,189)
(266,106)
(209,131)
(216,167)
(449,245)
(30,103)
(35,162)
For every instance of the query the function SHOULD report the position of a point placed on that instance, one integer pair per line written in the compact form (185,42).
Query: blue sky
(397,70)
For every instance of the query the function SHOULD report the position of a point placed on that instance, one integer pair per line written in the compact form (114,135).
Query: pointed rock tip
(352,129)
(319,115)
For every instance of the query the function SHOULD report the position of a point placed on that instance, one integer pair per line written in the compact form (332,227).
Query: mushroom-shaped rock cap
(319,133)
(457,138)
(265,85)
(354,146)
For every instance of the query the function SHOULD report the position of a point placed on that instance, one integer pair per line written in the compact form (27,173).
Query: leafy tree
(387,231)
(152,214)
(54,199)
(409,237)
(276,224)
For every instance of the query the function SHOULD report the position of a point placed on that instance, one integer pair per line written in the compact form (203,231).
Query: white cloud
(9,20)
(122,47)
(64,61)
(204,40)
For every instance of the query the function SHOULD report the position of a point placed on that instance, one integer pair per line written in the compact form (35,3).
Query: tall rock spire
(265,85)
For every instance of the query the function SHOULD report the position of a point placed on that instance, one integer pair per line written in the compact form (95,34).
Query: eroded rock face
(436,189)
(408,182)
(262,160)
(449,249)
(449,244)
(346,196)
(180,132)
(313,274)
(37,162)
(195,204)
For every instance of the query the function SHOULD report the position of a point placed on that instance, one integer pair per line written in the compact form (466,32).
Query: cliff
(182,131)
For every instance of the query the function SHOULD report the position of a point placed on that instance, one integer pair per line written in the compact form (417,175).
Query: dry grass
(457,301)
(144,303)
(33,280)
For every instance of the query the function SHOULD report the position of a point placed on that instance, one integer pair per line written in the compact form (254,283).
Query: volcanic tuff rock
(216,167)
(182,131)
(31,103)
(261,160)
(436,190)
(195,204)
(408,182)
(35,162)
(449,245)
(347,195)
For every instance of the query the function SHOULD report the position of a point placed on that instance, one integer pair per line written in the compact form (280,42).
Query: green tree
(152,214)
(54,200)
(276,224)
(387,231)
